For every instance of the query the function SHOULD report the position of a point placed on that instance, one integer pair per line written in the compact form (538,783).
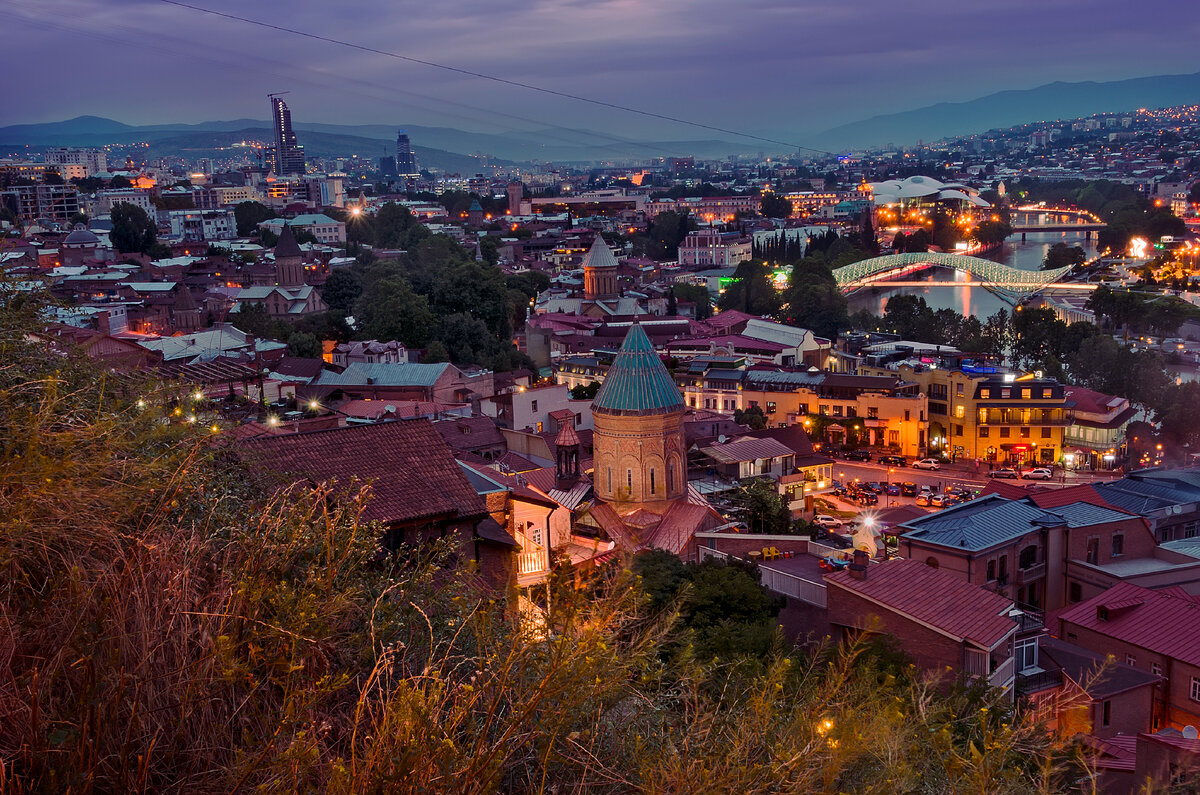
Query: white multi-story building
(105,199)
(323,228)
(201,225)
(94,160)
(706,249)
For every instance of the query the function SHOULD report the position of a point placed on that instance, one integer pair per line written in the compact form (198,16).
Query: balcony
(1035,572)
(1003,675)
(1037,680)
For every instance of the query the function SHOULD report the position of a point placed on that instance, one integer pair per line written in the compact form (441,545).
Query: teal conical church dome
(637,383)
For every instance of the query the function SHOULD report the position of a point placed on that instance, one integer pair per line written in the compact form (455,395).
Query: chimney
(858,569)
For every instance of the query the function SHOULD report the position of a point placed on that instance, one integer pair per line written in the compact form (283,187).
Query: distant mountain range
(1010,108)
(442,148)
(455,151)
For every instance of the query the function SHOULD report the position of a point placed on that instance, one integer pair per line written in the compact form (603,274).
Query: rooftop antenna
(277,94)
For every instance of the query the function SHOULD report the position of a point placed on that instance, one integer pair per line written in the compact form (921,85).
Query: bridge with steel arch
(1011,284)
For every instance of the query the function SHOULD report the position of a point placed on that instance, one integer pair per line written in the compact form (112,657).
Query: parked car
(924,498)
(962,495)
(866,498)
(1006,473)
(893,460)
(827,522)
(893,489)
(941,501)
(908,489)
(858,455)
(1041,473)
(928,463)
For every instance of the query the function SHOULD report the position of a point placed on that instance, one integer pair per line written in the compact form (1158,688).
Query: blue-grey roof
(1082,514)
(979,524)
(391,374)
(1148,492)
(637,382)
(784,377)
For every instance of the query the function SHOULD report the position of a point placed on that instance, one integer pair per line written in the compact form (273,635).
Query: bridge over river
(1011,284)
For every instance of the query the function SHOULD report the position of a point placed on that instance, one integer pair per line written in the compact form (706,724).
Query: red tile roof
(1163,622)
(412,471)
(933,597)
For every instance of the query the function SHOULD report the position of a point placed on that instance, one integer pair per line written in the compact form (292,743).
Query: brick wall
(929,649)
(1175,706)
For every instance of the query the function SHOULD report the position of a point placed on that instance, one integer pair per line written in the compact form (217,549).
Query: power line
(493,78)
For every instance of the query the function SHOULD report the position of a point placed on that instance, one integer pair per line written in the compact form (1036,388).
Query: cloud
(753,64)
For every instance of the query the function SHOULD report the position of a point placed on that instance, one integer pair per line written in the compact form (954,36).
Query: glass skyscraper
(288,157)
(406,161)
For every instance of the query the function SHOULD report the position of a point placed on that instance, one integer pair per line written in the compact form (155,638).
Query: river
(943,293)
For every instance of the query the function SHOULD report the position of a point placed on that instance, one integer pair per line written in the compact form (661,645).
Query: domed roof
(81,237)
(599,255)
(637,383)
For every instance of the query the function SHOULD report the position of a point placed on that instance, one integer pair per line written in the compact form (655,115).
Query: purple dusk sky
(774,67)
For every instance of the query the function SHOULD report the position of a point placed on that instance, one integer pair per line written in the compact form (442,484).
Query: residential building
(531,407)
(1044,550)
(369,352)
(942,622)
(417,490)
(984,414)
(322,227)
(95,161)
(105,199)
(1168,498)
(194,226)
(1156,631)
(58,203)
(1097,436)
(711,249)
(440,383)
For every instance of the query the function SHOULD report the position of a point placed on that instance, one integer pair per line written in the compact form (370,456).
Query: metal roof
(1165,621)
(389,374)
(747,449)
(599,255)
(637,382)
(979,524)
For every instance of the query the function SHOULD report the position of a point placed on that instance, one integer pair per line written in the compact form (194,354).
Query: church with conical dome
(640,459)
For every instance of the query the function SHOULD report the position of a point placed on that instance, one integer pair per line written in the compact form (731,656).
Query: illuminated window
(959,411)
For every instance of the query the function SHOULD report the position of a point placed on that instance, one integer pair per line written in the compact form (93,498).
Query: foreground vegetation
(169,625)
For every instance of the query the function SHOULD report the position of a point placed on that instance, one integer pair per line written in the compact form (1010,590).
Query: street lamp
(888,487)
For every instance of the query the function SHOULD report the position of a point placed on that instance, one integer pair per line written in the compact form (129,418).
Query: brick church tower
(289,260)
(639,454)
(599,272)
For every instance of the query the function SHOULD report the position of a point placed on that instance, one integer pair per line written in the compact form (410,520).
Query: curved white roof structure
(893,191)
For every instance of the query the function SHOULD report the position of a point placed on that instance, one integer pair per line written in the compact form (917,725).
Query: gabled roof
(637,383)
(1082,666)
(977,525)
(412,471)
(1162,621)
(386,374)
(747,448)
(933,597)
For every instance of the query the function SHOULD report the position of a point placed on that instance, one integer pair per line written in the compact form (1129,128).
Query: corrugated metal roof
(390,374)
(637,382)
(747,449)
(1165,622)
(934,597)
(978,524)
(1082,514)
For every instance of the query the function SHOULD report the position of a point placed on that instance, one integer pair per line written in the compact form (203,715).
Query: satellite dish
(1190,733)
(721,439)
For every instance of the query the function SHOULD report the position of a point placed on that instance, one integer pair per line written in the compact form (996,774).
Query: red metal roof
(412,470)
(933,597)
(1164,622)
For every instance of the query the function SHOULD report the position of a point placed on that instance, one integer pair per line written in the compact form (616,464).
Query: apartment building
(988,414)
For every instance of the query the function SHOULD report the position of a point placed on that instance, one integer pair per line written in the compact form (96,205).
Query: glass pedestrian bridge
(1011,284)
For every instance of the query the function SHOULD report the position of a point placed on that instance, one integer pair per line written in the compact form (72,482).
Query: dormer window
(1102,613)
